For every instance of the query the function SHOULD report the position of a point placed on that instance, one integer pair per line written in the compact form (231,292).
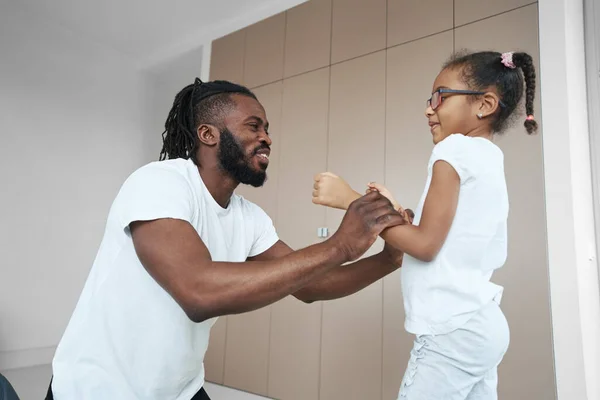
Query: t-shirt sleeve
(265,235)
(454,150)
(154,192)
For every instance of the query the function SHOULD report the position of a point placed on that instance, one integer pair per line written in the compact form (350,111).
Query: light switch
(322,232)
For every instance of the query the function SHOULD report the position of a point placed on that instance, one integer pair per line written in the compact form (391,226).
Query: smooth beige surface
(214,360)
(357,124)
(227,57)
(409,20)
(308,37)
(263,62)
(412,68)
(351,344)
(295,350)
(295,326)
(247,350)
(266,196)
(303,154)
(467,11)
(527,370)
(358,28)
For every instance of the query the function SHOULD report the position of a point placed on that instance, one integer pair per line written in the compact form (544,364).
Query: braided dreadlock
(196,104)
(486,69)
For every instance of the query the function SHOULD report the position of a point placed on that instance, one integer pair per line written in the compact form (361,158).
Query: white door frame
(591,10)
(573,269)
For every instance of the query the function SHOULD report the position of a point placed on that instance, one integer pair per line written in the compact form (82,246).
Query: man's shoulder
(176,166)
(160,173)
(156,179)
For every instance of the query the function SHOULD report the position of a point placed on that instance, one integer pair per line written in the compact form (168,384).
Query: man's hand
(365,219)
(396,256)
(408,214)
(332,191)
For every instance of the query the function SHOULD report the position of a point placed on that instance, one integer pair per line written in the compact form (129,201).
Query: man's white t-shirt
(441,295)
(128,339)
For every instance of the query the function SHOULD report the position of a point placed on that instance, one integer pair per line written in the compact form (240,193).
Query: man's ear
(208,135)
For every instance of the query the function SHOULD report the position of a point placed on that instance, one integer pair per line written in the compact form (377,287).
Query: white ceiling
(154,31)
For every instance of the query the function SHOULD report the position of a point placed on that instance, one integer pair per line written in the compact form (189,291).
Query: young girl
(459,234)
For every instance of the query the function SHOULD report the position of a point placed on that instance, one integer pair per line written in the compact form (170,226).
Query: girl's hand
(376,187)
(332,191)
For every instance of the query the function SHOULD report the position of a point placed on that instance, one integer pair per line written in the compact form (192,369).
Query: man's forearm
(348,279)
(232,288)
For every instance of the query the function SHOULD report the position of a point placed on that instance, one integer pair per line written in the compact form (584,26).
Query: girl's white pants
(460,365)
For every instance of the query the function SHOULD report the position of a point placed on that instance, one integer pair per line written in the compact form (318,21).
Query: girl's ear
(489,104)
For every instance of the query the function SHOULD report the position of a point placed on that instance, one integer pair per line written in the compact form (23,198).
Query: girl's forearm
(411,240)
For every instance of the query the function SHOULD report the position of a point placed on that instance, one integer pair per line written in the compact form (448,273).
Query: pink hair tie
(529,118)
(507,60)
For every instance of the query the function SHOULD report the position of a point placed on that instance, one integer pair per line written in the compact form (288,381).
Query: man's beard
(234,161)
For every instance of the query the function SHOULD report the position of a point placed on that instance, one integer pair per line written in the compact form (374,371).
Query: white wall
(72,126)
(169,77)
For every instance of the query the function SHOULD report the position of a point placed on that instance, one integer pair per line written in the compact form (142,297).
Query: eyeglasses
(436,97)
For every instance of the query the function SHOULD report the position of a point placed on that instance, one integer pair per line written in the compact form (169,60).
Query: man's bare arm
(342,280)
(175,256)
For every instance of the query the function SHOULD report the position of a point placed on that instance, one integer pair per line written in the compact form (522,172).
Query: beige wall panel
(351,346)
(296,327)
(303,148)
(308,37)
(266,196)
(247,348)
(466,11)
(409,19)
(247,351)
(351,337)
(411,70)
(358,28)
(527,370)
(214,360)
(263,62)
(357,125)
(295,350)
(227,57)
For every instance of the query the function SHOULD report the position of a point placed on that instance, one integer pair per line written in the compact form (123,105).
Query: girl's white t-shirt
(128,338)
(441,295)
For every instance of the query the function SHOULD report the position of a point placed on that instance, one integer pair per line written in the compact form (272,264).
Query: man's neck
(219,184)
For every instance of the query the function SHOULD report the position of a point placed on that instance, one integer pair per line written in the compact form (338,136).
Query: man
(181,249)
(7,392)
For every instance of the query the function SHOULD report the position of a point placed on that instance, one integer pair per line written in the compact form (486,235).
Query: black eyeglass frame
(455,91)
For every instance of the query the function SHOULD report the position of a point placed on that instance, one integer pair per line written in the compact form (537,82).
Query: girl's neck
(482,132)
